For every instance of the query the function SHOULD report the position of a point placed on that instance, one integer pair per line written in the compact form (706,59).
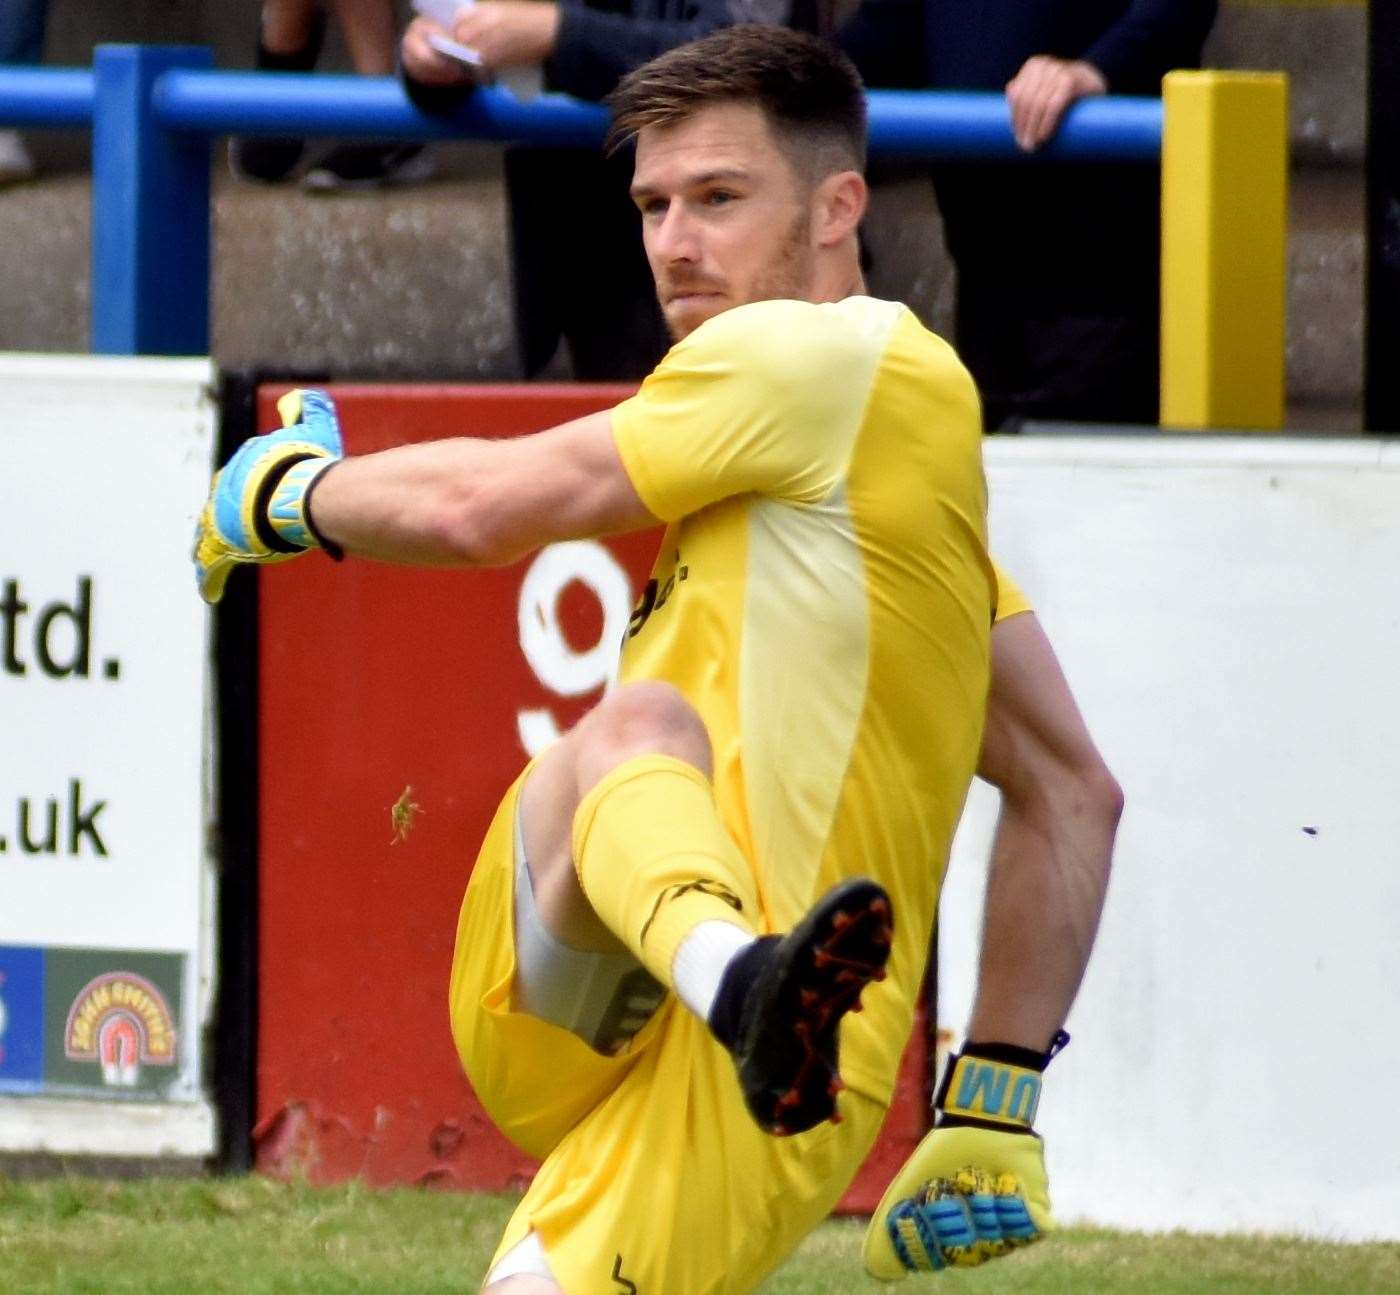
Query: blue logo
(21,1019)
(983,1090)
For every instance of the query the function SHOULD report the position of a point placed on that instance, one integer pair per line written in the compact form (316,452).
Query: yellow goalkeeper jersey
(823,597)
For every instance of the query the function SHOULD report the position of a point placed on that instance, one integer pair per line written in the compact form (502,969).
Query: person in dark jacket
(22,25)
(1058,264)
(576,249)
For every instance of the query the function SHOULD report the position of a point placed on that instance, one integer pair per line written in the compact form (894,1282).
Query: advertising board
(105,954)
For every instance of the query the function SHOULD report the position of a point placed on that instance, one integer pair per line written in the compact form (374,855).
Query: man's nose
(675,238)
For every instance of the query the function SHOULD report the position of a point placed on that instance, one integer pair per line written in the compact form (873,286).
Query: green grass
(252,1235)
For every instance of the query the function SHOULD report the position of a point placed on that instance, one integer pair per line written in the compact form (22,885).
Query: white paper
(455,50)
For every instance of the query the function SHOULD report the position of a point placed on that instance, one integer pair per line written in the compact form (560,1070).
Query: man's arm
(1050,864)
(1054,842)
(471,502)
(886,41)
(1148,41)
(595,49)
(448,503)
(588,51)
(733,409)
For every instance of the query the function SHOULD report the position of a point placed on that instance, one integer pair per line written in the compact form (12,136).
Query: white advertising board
(1228,613)
(105,945)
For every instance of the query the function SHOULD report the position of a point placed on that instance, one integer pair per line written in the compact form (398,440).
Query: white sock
(525,1258)
(701,961)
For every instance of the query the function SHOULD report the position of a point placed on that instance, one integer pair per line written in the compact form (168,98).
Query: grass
(253,1235)
(1081,1261)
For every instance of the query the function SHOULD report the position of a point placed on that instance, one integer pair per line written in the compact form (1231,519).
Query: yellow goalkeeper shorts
(655,1180)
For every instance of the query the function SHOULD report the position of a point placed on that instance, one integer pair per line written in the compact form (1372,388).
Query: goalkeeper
(680,902)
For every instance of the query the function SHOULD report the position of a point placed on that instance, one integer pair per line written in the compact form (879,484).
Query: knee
(650,718)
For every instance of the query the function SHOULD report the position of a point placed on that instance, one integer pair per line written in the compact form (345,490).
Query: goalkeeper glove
(257,505)
(975,1187)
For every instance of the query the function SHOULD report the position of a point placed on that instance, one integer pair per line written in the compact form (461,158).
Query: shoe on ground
(266,161)
(786,1048)
(15,162)
(351,168)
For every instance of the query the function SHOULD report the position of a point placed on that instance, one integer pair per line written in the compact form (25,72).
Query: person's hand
(975,1187)
(426,65)
(1043,90)
(257,505)
(509,33)
(966,1195)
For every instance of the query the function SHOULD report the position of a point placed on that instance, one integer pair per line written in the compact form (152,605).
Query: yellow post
(1224,248)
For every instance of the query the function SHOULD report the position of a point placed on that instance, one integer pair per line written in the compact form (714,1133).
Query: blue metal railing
(154,109)
(60,96)
(902,122)
(977,125)
(250,103)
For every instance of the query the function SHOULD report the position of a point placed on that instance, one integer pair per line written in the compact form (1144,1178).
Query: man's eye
(653,207)
(718,197)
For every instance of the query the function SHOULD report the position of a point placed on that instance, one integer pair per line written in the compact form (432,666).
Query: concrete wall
(106,932)
(425,268)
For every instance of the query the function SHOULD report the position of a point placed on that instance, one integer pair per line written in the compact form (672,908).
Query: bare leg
(287,25)
(371,34)
(1054,842)
(637,719)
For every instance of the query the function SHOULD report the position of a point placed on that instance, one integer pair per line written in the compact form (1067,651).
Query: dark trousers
(1100,367)
(579,269)
(1058,288)
(22,30)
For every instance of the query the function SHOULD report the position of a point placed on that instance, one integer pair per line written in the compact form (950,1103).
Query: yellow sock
(654,859)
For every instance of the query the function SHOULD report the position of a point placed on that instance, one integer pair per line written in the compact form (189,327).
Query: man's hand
(975,1187)
(509,33)
(257,510)
(426,65)
(1043,90)
(966,1195)
(506,33)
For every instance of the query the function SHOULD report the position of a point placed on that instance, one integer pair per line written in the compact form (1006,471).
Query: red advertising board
(380,682)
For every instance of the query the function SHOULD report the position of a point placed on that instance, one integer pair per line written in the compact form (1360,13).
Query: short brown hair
(810,92)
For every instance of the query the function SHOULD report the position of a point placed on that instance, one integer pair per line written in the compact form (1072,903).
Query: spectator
(21,41)
(289,40)
(584,279)
(1058,293)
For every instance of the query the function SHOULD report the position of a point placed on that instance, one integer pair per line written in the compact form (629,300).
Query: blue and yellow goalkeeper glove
(257,505)
(975,1187)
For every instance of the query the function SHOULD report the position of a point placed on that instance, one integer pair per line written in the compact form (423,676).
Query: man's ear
(838,207)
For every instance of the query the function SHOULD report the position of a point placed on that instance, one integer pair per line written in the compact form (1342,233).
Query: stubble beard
(787,277)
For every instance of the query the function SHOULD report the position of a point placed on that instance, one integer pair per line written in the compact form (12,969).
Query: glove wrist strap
(995,1085)
(332,549)
(287,508)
